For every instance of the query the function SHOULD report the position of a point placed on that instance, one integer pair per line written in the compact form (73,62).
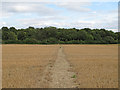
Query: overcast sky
(62,14)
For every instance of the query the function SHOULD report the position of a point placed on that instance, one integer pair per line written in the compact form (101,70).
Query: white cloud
(115,30)
(43,21)
(49,16)
(61,1)
(52,21)
(3,23)
(75,6)
(38,8)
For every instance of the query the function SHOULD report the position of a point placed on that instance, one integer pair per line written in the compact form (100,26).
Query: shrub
(30,41)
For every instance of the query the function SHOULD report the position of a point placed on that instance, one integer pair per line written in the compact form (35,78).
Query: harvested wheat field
(60,66)
(24,65)
(96,66)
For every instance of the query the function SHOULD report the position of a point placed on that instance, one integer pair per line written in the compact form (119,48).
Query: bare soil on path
(61,74)
(59,66)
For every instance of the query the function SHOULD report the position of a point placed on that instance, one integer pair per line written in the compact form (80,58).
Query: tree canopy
(53,35)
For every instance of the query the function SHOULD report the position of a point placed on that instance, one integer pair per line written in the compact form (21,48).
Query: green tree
(53,35)
(13,29)
(30,41)
(12,36)
(52,40)
(109,39)
(5,29)
(21,35)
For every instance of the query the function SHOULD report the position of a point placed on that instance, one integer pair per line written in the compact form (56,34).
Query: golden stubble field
(25,66)
(96,66)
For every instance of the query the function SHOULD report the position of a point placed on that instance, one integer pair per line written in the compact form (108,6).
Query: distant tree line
(53,35)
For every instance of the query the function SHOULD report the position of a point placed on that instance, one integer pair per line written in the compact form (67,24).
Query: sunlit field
(32,66)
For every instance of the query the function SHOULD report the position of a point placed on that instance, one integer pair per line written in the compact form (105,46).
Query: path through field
(61,76)
(60,66)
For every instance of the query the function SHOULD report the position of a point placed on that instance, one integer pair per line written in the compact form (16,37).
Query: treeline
(53,35)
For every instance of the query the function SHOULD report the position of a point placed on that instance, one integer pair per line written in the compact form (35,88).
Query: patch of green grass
(74,76)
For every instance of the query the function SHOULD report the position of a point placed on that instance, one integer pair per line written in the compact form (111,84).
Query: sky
(60,14)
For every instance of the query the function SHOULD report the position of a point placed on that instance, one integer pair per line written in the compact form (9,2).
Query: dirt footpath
(59,66)
(61,76)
